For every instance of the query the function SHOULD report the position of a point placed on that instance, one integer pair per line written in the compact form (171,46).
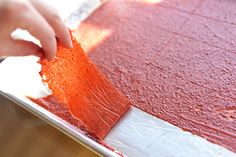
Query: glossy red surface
(81,94)
(174,59)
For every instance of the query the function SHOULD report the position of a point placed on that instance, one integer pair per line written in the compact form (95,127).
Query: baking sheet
(137,134)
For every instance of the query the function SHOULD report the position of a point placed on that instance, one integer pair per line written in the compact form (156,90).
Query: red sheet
(174,59)
(81,94)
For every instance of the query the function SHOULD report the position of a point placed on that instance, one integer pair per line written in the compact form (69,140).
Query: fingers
(55,21)
(37,26)
(39,20)
(20,48)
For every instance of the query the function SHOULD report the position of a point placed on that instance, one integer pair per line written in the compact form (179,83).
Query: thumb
(20,48)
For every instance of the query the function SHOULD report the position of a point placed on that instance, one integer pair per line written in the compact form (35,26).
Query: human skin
(40,20)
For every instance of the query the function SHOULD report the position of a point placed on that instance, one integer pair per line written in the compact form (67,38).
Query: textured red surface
(81,94)
(175,60)
(53,105)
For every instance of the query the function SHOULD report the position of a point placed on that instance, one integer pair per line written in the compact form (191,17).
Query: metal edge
(60,124)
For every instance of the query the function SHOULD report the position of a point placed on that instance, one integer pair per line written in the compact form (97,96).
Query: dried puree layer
(174,59)
(81,94)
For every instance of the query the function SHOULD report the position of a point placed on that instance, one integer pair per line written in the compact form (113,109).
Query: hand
(39,20)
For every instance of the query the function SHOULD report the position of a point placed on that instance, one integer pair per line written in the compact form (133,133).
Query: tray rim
(71,131)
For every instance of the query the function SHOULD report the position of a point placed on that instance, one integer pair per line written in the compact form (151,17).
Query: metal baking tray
(137,134)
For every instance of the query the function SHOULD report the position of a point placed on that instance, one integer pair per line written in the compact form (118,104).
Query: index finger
(55,21)
(37,26)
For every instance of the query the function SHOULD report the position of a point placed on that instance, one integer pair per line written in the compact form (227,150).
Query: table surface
(23,134)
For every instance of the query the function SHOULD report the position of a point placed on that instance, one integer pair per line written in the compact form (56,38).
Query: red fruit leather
(171,62)
(81,94)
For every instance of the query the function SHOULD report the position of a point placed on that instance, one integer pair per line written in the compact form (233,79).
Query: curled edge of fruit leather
(81,94)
